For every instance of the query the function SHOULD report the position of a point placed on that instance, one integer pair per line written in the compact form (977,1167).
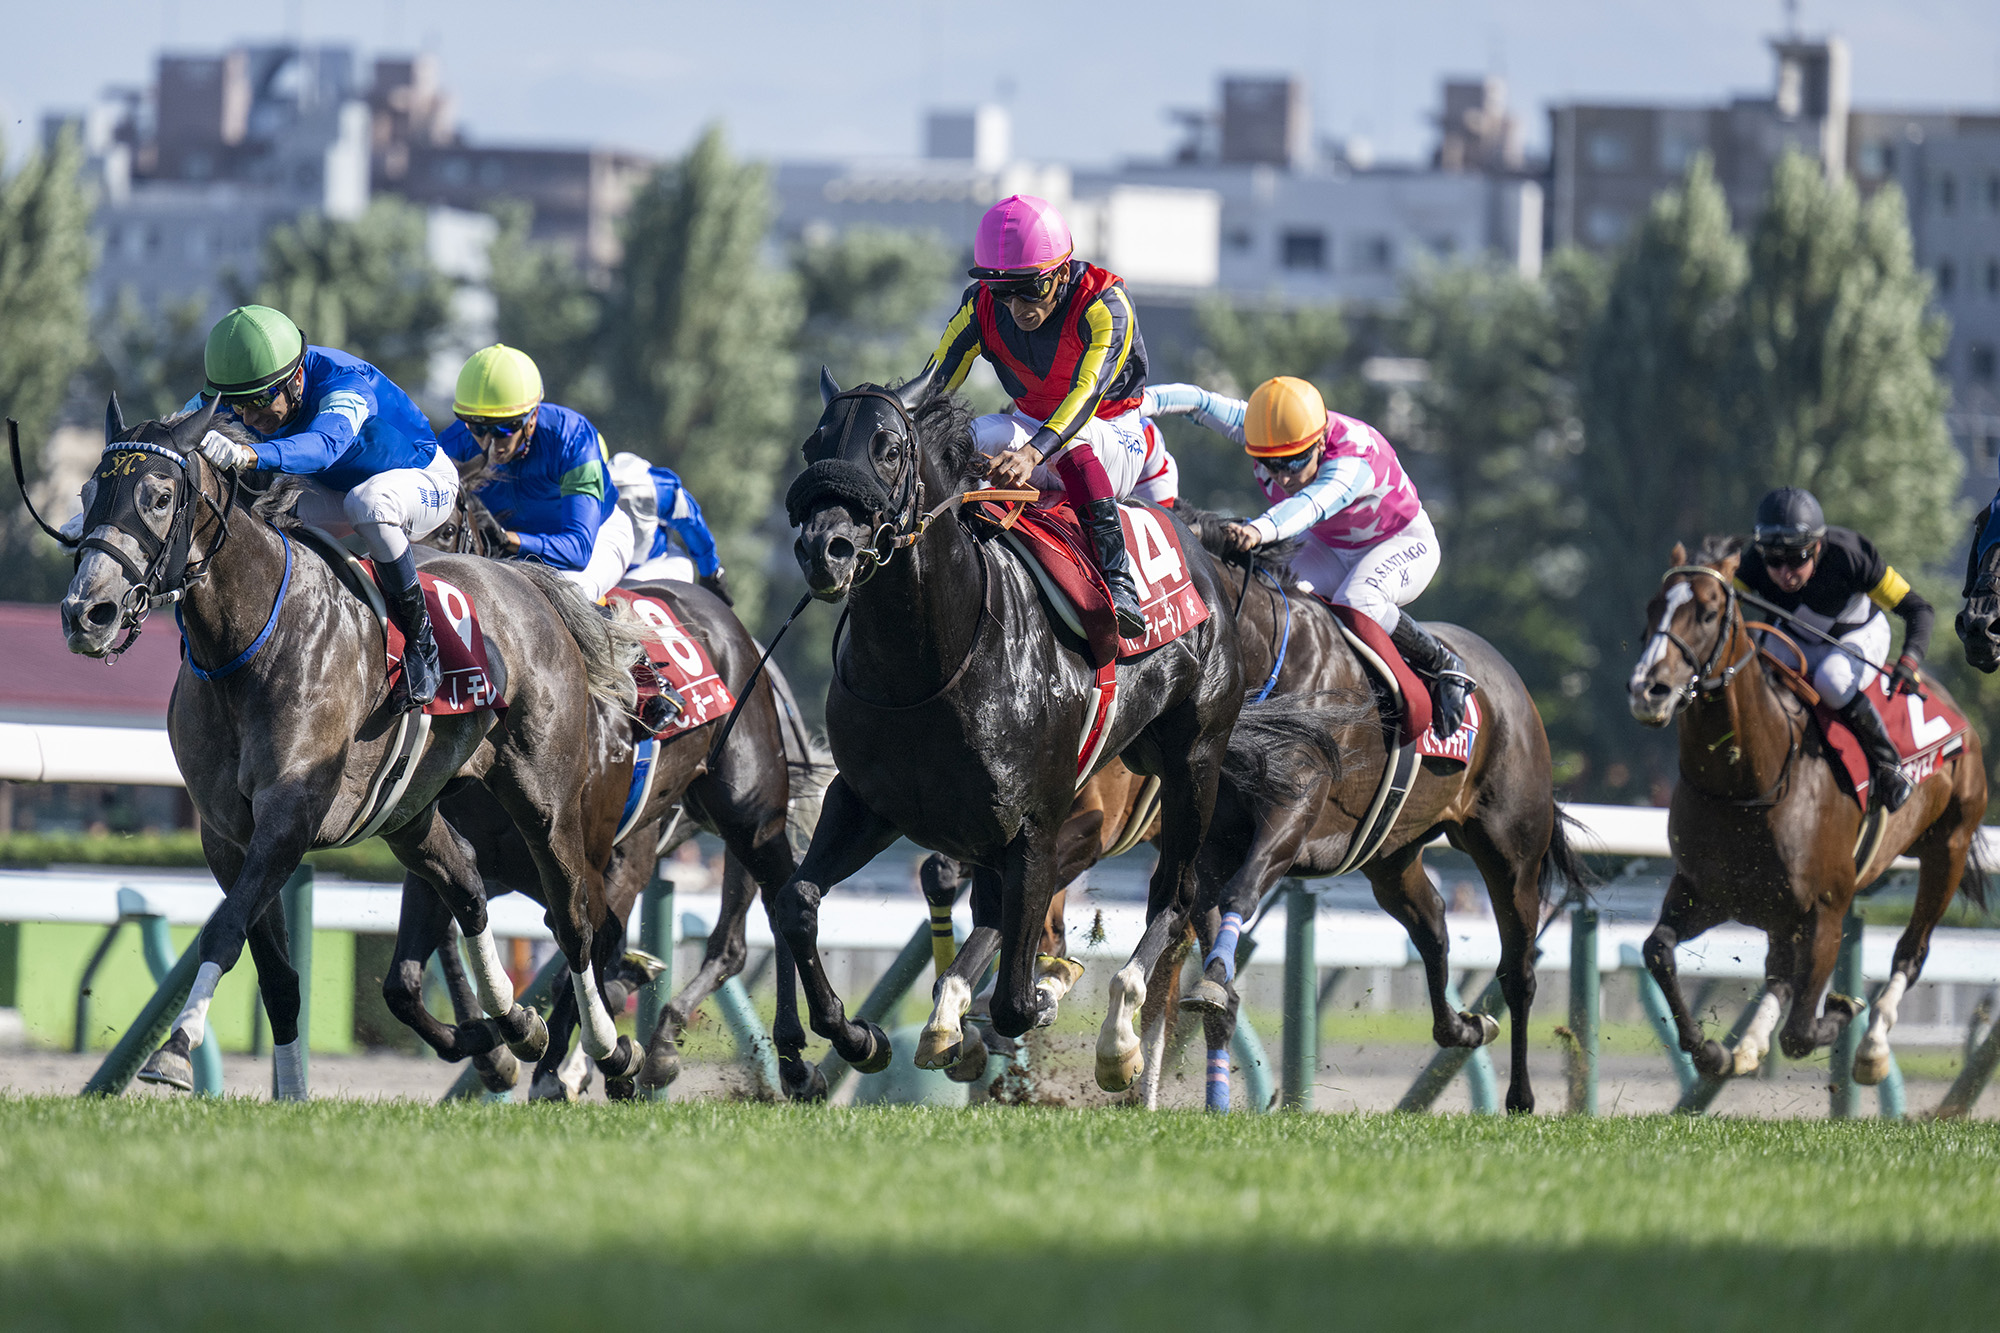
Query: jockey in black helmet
(1834,580)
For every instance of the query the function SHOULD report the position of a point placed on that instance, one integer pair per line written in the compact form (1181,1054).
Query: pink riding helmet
(1020,236)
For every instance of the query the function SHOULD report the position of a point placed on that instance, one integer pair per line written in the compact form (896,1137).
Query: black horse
(955,714)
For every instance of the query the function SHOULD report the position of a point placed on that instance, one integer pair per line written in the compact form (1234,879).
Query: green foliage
(546,307)
(1241,347)
(152,361)
(45,259)
(332,1215)
(366,287)
(697,342)
(371,861)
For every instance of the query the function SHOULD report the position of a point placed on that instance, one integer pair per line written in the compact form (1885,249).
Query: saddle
(680,660)
(1926,731)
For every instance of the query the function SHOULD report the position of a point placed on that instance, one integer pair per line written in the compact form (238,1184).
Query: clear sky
(1087,83)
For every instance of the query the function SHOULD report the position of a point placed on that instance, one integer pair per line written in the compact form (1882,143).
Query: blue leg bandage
(1218,1079)
(1225,945)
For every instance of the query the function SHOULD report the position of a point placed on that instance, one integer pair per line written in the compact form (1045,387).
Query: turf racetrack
(150,1214)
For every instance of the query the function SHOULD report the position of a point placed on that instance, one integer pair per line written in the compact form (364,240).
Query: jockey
(546,481)
(1062,337)
(1336,482)
(671,540)
(372,467)
(1833,580)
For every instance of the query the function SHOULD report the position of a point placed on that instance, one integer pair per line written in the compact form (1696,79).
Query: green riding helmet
(252,347)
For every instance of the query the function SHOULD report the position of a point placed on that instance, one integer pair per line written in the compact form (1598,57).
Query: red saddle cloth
(1925,731)
(1415,723)
(681,660)
(466,683)
(1167,595)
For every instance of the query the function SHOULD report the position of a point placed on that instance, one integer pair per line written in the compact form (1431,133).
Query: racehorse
(1304,768)
(284,736)
(954,713)
(1764,834)
(759,794)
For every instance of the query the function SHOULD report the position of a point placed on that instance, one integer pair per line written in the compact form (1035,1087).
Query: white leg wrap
(954,998)
(489,976)
(288,1071)
(1876,1044)
(194,1014)
(600,1035)
(1756,1040)
(575,1067)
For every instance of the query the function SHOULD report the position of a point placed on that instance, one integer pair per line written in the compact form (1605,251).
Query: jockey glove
(718,585)
(224,452)
(1905,674)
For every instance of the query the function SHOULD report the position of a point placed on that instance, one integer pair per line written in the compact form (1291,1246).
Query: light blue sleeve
(1222,415)
(1338,482)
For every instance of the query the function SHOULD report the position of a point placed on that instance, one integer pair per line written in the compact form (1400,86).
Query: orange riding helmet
(1285,416)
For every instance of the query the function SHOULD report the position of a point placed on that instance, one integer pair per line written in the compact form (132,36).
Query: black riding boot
(1885,774)
(420,652)
(657,711)
(1427,655)
(1107,535)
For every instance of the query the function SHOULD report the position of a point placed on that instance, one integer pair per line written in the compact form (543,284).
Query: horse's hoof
(1118,1066)
(640,968)
(1711,1059)
(970,1066)
(1489,1027)
(879,1050)
(1743,1061)
(802,1082)
(1871,1069)
(623,1062)
(1836,1003)
(168,1070)
(1207,997)
(939,1046)
(527,1035)
(551,1088)
(662,1066)
(621,1089)
(498,1072)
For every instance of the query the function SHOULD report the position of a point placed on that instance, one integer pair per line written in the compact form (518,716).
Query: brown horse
(1763,832)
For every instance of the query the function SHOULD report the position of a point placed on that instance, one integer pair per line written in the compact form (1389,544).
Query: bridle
(904,526)
(1706,679)
(170,568)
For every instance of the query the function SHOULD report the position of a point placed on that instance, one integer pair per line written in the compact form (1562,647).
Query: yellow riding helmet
(497,382)
(1285,416)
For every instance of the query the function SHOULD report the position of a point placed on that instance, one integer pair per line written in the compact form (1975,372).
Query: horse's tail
(1280,746)
(809,760)
(1561,865)
(609,647)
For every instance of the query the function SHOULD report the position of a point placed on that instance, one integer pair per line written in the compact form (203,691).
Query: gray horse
(285,729)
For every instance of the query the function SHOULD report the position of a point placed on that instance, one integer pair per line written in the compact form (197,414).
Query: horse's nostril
(839,549)
(101,614)
(1658,690)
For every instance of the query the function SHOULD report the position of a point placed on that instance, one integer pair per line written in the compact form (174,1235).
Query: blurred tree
(366,287)
(45,261)
(544,305)
(697,343)
(1661,460)
(153,360)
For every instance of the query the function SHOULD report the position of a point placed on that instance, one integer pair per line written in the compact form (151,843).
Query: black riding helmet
(1789,523)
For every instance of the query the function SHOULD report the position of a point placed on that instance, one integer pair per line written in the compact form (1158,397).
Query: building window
(1873,159)
(1608,151)
(1238,239)
(1947,274)
(1303,249)
(455,171)
(1603,226)
(1374,254)
(1980,362)
(1947,192)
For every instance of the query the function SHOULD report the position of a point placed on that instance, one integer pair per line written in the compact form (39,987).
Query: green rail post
(884,996)
(1248,1049)
(148,1029)
(157,944)
(1584,1001)
(298,901)
(85,986)
(1708,1087)
(1444,1066)
(1301,1034)
(656,937)
(1654,1002)
(1972,1077)
(753,1041)
(1889,1095)
(1844,1096)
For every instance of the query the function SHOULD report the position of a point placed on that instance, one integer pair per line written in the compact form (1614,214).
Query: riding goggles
(261,399)
(1297,462)
(1031,287)
(503,427)
(1786,554)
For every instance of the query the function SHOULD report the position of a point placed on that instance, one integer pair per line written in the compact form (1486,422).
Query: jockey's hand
(718,585)
(1241,537)
(510,542)
(224,452)
(1905,676)
(1012,468)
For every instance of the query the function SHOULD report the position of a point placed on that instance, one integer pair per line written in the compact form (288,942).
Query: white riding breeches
(1836,675)
(609,555)
(388,509)
(662,568)
(1375,580)
(1120,443)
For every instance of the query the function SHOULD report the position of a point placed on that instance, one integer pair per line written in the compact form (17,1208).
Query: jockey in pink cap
(1062,337)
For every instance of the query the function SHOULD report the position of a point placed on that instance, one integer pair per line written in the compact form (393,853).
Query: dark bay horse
(284,737)
(955,714)
(1303,770)
(1763,832)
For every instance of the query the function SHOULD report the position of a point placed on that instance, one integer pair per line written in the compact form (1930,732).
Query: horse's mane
(944,423)
(1717,548)
(1273,557)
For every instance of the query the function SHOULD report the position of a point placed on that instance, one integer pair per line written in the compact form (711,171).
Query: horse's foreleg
(1682,917)
(1028,879)
(722,959)
(564,1073)
(944,1043)
(1817,951)
(1509,856)
(498,1070)
(425,929)
(849,836)
(278,983)
(1406,893)
(1162,990)
(1941,862)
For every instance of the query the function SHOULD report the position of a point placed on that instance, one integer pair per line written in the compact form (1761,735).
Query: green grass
(144,1214)
(370,861)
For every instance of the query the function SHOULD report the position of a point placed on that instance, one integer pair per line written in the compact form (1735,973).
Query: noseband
(1706,680)
(169,571)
